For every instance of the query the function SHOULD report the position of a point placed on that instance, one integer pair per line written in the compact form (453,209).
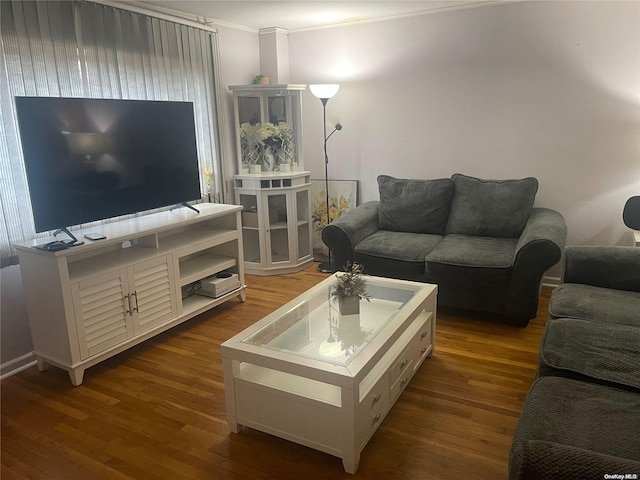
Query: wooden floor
(157,410)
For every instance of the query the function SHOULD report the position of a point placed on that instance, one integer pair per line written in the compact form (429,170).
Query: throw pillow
(416,206)
(490,208)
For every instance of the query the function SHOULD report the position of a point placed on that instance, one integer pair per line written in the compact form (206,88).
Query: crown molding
(270,30)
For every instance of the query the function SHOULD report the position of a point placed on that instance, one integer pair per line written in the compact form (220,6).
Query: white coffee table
(307,374)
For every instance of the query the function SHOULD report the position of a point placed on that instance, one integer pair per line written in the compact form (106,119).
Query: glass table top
(314,328)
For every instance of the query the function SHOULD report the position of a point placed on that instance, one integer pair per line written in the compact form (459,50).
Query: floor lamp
(324,92)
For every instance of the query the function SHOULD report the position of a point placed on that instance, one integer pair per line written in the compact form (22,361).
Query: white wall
(544,89)
(239,61)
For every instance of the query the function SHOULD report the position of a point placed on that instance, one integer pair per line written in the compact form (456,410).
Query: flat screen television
(92,159)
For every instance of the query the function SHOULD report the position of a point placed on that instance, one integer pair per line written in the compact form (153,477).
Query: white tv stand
(90,302)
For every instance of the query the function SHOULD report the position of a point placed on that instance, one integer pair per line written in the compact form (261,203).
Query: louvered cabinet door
(153,297)
(102,312)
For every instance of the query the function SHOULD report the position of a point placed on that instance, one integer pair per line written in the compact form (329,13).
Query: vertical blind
(84,49)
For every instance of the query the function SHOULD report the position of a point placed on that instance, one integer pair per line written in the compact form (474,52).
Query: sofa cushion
(490,208)
(395,254)
(585,416)
(417,206)
(550,460)
(466,260)
(591,351)
(587,302)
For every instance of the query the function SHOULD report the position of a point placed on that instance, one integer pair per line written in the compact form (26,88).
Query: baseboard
(17,365)
(551,281)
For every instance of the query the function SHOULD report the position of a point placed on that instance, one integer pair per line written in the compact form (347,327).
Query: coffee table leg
(230,394)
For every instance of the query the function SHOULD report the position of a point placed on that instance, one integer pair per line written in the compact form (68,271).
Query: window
(83,49)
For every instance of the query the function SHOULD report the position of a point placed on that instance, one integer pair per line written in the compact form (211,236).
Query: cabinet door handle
(376,419)
(404,381)
(376,399)
(135,295)
(424,349)
(424,334)
(128,300)
(404,363)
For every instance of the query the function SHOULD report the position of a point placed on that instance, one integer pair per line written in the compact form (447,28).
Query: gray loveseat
(482,241)
(581,418)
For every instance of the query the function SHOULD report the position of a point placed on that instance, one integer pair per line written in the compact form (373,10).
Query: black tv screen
(91,159)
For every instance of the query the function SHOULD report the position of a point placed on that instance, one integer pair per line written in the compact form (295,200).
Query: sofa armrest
(542,241)
(603,266)
(345,232)
(541,460)
(539,247)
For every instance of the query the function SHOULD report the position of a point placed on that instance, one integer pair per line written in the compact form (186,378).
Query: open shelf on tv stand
(92,301)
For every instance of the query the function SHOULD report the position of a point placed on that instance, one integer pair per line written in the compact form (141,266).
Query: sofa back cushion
(416,206)
(490,208)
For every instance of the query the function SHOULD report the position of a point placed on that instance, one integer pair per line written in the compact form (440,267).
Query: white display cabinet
(268,124)
(276,222)
(272,185)
(92,301)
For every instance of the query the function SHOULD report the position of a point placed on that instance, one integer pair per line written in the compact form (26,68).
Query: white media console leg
(42,365)
(76,375)
(351,465)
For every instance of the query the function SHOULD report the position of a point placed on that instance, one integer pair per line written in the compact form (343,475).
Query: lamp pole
(324,101)
(324,93)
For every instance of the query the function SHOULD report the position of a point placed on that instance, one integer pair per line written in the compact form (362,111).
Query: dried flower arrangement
(350,284)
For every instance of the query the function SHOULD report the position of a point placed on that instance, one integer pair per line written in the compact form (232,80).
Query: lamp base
(325,267)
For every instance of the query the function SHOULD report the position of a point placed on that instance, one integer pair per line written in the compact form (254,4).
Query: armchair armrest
(345,232)
(603,266)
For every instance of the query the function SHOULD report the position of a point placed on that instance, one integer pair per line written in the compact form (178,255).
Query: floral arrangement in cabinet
(266,144)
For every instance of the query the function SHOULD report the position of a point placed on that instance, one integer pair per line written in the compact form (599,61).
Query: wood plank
(157,410)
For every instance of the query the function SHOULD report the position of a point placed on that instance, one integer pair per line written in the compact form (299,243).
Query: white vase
(255,168)
(268,162)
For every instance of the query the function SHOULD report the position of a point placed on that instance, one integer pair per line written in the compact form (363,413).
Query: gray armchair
(599,283)
(581,418)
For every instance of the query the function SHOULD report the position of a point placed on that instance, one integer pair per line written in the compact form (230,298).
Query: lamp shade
(325,90)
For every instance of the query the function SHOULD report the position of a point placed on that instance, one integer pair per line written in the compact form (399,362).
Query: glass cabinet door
(249,118)
(277,109)
(302,224)
(250,228)
(276,225)
(282,114)
(268,121)
(278,229)
(249,110)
